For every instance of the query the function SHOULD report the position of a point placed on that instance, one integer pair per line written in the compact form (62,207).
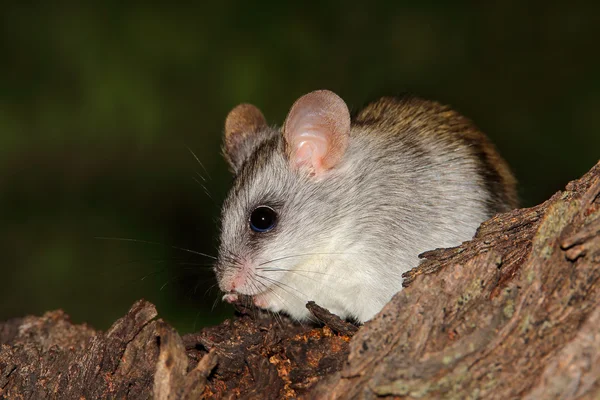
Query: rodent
(334,208)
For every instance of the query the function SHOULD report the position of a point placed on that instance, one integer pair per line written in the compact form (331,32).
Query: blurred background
(99,107)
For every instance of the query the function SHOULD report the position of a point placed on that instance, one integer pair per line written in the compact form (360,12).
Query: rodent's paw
(261,301)
(230,298)
(267,301)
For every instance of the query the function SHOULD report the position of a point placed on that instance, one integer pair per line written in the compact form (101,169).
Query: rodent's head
(275,211)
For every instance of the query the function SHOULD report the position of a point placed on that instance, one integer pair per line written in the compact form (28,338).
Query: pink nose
(234,282)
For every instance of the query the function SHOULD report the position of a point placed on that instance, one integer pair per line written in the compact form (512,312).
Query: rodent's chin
(242,284)
(260,300)
(230,298)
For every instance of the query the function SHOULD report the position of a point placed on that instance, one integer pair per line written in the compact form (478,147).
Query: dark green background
(99,105)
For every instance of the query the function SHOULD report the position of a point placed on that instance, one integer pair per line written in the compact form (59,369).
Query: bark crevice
(513,313)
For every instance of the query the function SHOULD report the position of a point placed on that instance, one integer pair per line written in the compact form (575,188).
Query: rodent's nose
(237,281)
(229,285)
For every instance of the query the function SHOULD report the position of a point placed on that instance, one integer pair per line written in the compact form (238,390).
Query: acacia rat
(334,207)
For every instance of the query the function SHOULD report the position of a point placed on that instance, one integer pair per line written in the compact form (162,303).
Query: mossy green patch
(509,308)
(556,218)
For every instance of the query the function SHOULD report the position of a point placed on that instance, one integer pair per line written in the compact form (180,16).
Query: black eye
(263,219)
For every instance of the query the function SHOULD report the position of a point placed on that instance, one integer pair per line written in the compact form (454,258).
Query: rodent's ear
(317,130)
(243,123)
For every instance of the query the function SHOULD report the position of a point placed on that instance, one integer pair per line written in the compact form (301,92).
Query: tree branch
(512,313)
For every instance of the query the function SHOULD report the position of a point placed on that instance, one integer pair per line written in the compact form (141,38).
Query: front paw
(231,298)
(261,301)
(267,301)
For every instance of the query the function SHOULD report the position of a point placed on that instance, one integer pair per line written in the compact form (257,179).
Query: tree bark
(513,313)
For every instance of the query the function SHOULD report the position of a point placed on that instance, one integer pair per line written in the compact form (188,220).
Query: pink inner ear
(310,148)
(317,130)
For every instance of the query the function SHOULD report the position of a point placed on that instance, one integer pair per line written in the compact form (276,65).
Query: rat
(334,208)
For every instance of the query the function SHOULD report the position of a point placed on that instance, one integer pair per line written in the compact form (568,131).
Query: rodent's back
(430,132)
(416,176)
(345,204)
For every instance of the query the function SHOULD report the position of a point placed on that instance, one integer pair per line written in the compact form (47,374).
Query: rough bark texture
(513,313)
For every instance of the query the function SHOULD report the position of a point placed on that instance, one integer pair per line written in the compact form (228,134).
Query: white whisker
(156,244)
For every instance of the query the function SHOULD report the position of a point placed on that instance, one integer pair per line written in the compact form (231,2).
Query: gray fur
(401,188)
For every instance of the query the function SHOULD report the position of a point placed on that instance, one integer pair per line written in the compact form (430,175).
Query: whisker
(200,176)
(194,264)
(249,300)
(180,277)
(207,290)
(233,262)
(283,286)
(279,285)
(302,255)
(156,244)
(273,281)
(274,314)
(143,277)
(183,267)
(165,284)
(310,317)
(231,258)
(214,304)
(277,269)
(156,272)
(316,280)
(205,190)
(199,162)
